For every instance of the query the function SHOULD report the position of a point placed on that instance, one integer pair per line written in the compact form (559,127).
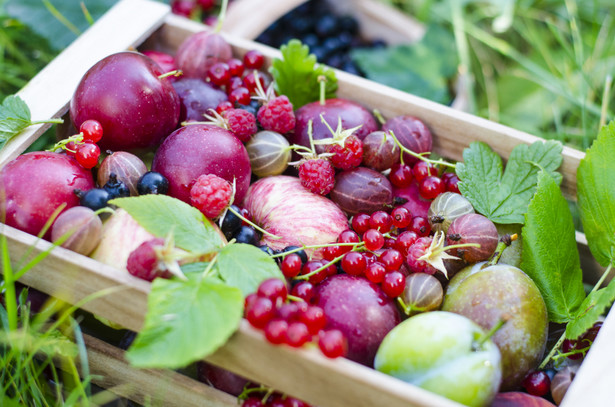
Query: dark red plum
(124,93)
(200,51)
(197,97)
(198,149)
(412,133)
(34,185)
(361,190)
(351,113)
(361,310)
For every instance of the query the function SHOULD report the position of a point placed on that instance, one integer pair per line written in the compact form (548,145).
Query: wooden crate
(303,373)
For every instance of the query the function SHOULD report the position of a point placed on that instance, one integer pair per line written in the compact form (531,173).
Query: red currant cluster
(275,399)
(83,146)
(426,175)
(291,321)
(194,8)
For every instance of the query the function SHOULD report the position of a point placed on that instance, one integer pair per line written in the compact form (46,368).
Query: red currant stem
(176,73)
(51,121)
(379,117)
(208,270)
(266,396)
(255,226)
(419,156)
(322,81)
(294,298)
(489,334)
(573,352)
(318,270)
(248,391)
(76,138)
(553,351)
(314,246)
(504,242)
(221,16)
(106,209)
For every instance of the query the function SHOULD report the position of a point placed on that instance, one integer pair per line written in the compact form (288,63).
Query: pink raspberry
(317,175)
(418,249)
(144,263)
(277,115)
(348,156)
(211,195)
(241,122)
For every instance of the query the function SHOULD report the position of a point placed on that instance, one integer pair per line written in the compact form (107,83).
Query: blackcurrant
(152,183)
(115,187)
(248,235)
(301,253)
(94,199)
(231,223)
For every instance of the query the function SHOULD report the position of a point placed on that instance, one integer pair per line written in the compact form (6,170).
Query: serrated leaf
(185,322)
(40,17)
(14,117)
(550,256)
(245,267)
(596,195)
(296,75)
(590,310)
(161,215)
(504,197)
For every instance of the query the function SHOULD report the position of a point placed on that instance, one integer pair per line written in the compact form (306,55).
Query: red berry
(206,4)
(330,252)
(277,115)
(261,312)
(347,156)
(288,311)
(405,240)
(70,148)
(297,334)
(314,318)
(317,175)
(422,170)
(92,131)
(219,73)
(235,82)
(303,290)
(452,184)
(401,217)
(431,187)
(182,8)
(401,175)
(291,265)
(87,155)
(274,289)
(241,122)
(275,331)
(391,259)
(250,80)
(239,95)
(224,106)
(211,195)
(537,383)
(250,298)
(569,346)
(360,223)
(253,59)
(393,284)
(332,343)
(373,240)
(143,262)
(293,402)
(375,272)
(354,263)
(235,67)
(420,225)
(312,266)
(347,236)
(416,251)
(381,220)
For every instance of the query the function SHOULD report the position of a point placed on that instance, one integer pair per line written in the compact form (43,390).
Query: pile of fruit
(319,222)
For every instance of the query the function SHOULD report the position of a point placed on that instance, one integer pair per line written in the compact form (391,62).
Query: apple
(498,292)
(444,353)
(283,207)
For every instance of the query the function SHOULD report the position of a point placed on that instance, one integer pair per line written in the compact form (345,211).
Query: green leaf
(398,66)
(59,21)
(590,310)
(185,321)
(296,75)
(14,117)
(197,267)
(245,267)
(550,256)
(503,198)
(161,215)
(596,195)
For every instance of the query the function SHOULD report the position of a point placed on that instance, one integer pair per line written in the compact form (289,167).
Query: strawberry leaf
(590,310)
(296,75)
(596,194)
(550,256)
(504,197)
(14,117)
(186,320)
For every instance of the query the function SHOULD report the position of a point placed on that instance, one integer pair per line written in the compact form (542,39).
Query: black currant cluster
(330,37)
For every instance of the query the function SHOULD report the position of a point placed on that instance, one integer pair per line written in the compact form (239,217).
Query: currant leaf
(596,194)
(14,117)
(590,310)
(550,256)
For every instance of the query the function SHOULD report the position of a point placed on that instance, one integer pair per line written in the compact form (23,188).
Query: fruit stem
(221,16)
(76,138)
(322,81)
(176,73)
(379,117)
(318,270)
(314,246)
(557,345)
(489,334)
(52,121)
(602,278)
(207,271)
(294,298)
(505,241)
(419,156)
(456,246)
(255,226)
(408,309)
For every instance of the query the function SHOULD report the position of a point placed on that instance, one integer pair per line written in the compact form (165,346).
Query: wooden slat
(125,25)
(160,387)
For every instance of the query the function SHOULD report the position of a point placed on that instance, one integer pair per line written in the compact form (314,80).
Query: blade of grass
(60,17)
(606,96)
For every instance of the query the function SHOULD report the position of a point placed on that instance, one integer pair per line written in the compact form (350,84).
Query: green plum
(444,353)
(503,292)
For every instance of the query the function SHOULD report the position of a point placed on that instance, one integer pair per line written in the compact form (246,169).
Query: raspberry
(241,122)
(277,115)
(317,175)
(144,263)
(347,156)
(418,249)
(211,195)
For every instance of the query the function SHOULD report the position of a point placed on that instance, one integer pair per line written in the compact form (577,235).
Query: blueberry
(349,24)
(115,187)
(94,199)
(332,45)
(152,183)
(248,235)
(231,223)
(326,26)
(311,40)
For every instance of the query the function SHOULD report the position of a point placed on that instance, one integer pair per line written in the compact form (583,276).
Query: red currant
(224,106)
(393,284)
(92,131)
(375,272)
(297,334)
(249,80)
(422,170)
(274,289)
(70,148)
(233,83)
(260,312)
(347,236)
(288,311)
(430,187)
(360,223)
(381,220)
(354,263)
(569,346)
(303,290)
(331,252)
(240,95)
(314,318)
(312,266)
(252,402)
(249,300)
(537,383)
(291,265)
(401,217)
(275,331)
(401,175)
(452,184)
(219,73)
(405,240)
(373,240)
(253,59)
(235,67)
(420,225)
(391,259)
(332,343)
(87,155)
